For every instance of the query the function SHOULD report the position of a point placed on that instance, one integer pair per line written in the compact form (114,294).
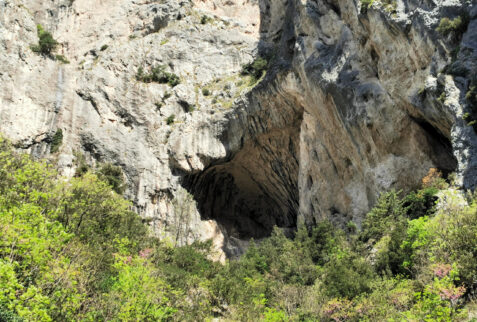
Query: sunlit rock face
(355,101)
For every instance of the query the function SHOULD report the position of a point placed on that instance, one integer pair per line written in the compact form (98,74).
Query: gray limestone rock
(354,102)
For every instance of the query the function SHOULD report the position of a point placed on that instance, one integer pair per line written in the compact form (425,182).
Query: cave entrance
(253,192)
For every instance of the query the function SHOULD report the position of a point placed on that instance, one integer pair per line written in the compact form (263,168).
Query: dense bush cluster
(71,250)
(158,74)
(455,27)
(46,43)
(255,69)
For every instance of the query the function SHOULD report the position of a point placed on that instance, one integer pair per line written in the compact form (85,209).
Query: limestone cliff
(357,99)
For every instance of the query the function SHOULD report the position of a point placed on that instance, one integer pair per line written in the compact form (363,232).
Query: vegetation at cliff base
(70,249)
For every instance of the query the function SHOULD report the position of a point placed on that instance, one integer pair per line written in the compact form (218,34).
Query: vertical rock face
(355,101)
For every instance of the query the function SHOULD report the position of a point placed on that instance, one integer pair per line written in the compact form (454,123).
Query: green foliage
(170,119)
(62,59)
(158,74)
(136,293)
(456,26)
(386,214)
(104,47)
(46,43)
(70,249)
(56,141)
(166,95)
(205,19)
(256,69)
(80,162)
(9,316)
(365,5)
(55,237)
(113,176)
(420,203)
(347,275)
(205,92)
(471,96)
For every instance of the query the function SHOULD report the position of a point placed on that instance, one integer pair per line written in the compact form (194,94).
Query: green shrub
(205,19)
(113,176)
(62,59)
(170,119)
(104,47)
(80,162)
(166,96)
(456,26)
(159,75)
(347,276)
(205,92)
(365,4)
(471,96)
(421,202)
(255,69)
(46,43)
(9,316)
(56,141)
(382,218)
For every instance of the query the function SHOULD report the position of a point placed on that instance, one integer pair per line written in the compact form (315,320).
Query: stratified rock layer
(355,101)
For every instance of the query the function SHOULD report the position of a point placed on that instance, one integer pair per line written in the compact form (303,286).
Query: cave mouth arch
(254,191)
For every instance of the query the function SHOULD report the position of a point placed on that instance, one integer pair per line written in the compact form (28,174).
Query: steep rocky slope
(355,101)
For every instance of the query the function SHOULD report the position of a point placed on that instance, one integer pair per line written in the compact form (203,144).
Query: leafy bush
(205,19)
(56,141)
(347,275)
(158,74)
(62,59)
(382,219)
(255,69)
(456,26)
(112,175)
(471,96)
(205,92)
(170,119)
(46,43)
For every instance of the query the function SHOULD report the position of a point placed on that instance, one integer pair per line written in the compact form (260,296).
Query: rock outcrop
(356,100)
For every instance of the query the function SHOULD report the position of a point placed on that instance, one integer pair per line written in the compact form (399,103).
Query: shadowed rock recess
(356,100)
